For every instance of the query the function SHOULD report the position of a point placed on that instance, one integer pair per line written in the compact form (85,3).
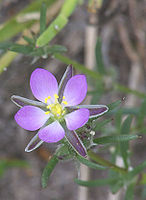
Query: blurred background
(121,26)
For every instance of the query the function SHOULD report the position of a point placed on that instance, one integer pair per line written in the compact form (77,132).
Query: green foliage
(114,139)
(99,59)
(137,170)
(58,24)
(43,18)
(14,25)
(51,31)
(48,170)
(89,163)
(142,114)
(130,192)
(11,163)
(125,129)
(95,183)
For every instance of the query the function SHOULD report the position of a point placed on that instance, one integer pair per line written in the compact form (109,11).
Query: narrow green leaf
(24,49)
(143,179)
(130,111)
(56,49)
(16,163)
(29,40)
(125,129)
(95,183)
(138,169)
(78,66)
(48,170)
(118,120)
(13,26)
(5,45)
(114,105)
(115,186)
(89,163)
(43,18)
(142,113)
(144,193)
(99,124)
(97,76)
(99,59)
(68,7)
(55,27)
(52,30)
(130,192)
(101,161)
(114,139)
(9,163)
(127,90)
(6,59)
(100,88)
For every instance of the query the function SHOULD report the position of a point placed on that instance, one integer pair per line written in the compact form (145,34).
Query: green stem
(106,163)
(78,66)
(96,75)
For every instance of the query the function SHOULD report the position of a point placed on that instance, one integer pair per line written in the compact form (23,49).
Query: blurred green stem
(106,163)
(96,75)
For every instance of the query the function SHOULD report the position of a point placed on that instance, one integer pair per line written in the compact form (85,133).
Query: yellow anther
(56,96)
(56,109)
(63,97)
(47,98)
(49,106)
(47,112)
(64,102)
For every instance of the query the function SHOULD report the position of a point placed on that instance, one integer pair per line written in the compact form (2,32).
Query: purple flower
(58,104)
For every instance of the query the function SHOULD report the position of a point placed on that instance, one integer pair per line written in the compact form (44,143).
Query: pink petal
(31,118)
(43,84)
(52,133)
(77,119)
(75,90)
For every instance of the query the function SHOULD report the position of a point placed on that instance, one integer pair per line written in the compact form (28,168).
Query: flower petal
(75,90)
(52,133)
(43,84)
(76,143)
(77,119)
(67,75)
(31,118)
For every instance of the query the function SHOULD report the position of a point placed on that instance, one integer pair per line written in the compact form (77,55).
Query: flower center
(56,109)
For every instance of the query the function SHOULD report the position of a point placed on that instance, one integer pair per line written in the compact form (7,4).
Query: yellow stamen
(47,112)
(49,106)
(47,98)
(63,112)
(56,96)
(56,108)
(65,102)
